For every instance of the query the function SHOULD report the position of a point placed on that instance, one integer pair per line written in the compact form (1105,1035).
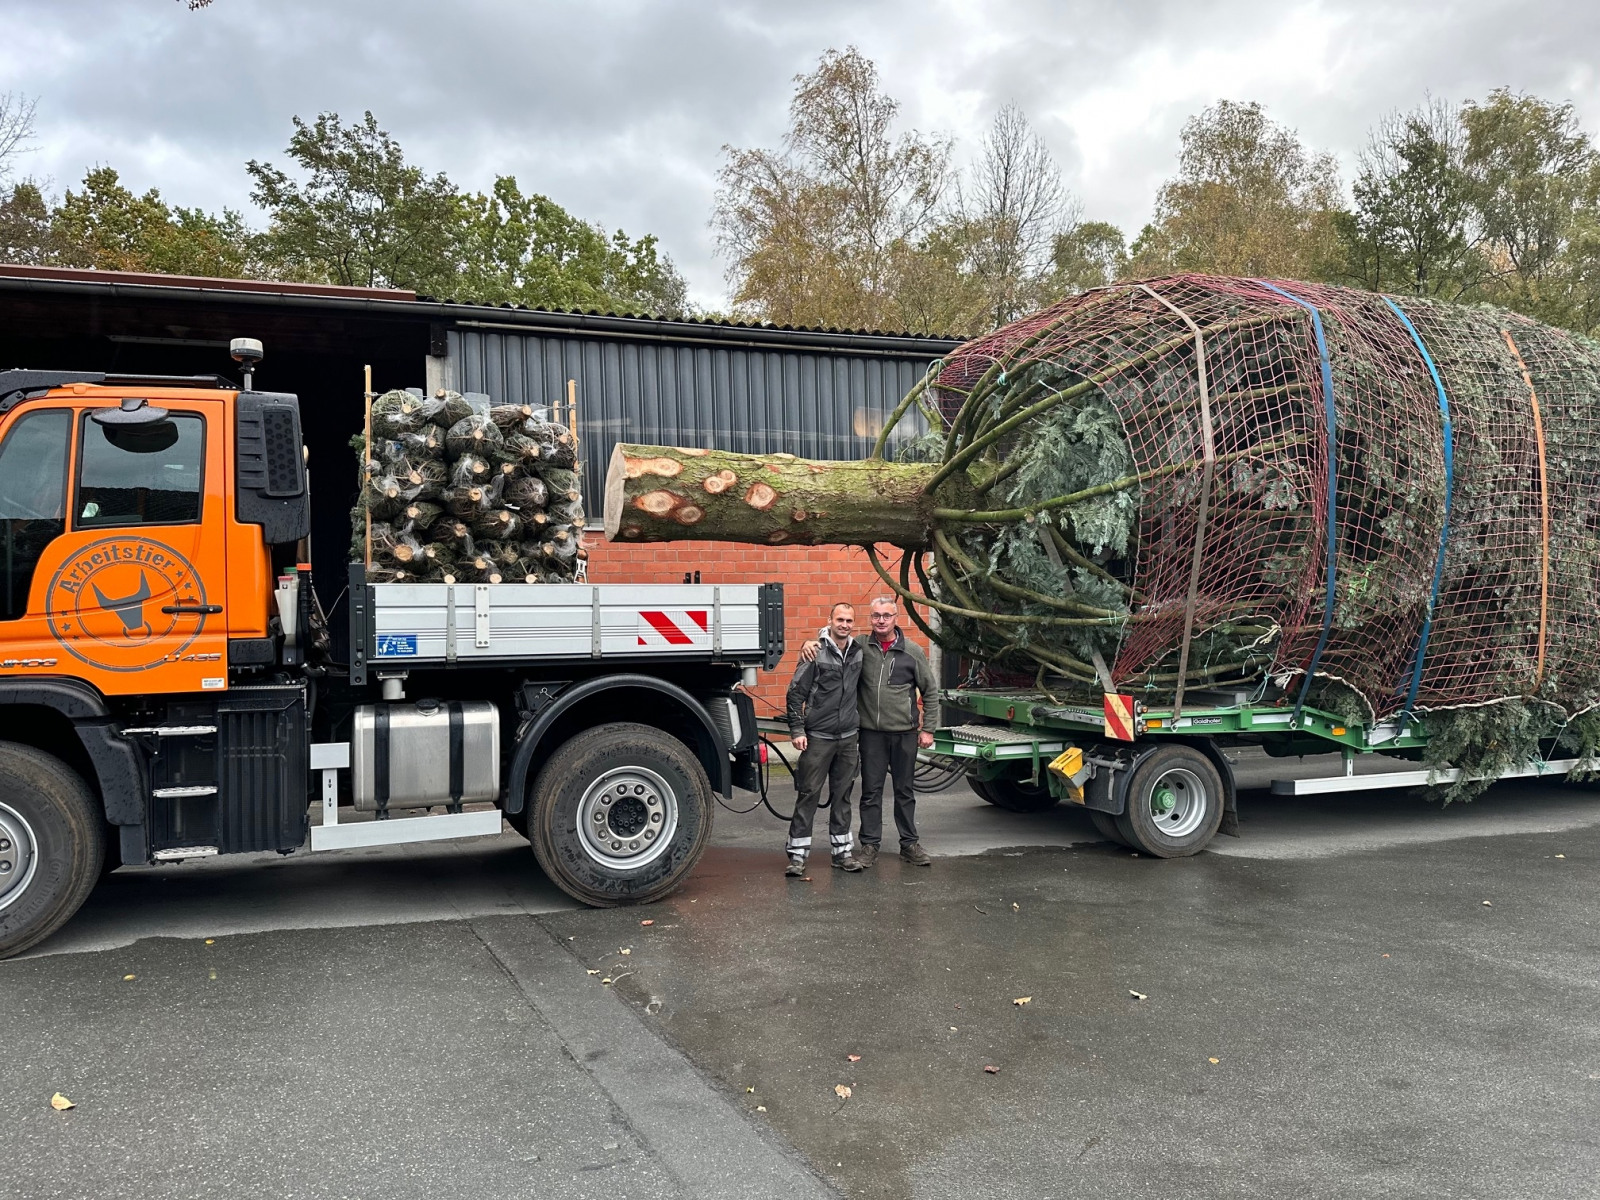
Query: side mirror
(133,411)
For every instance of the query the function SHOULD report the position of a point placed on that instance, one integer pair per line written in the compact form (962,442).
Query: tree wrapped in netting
(1389,507)
(457,490)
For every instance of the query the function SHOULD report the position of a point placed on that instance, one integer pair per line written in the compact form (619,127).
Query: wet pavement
(401,1024)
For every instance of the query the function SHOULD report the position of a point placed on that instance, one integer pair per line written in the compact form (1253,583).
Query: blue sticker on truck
(396,645)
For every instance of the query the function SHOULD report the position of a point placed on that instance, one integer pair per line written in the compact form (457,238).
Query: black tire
(1181,821)
(1014,795)
(595,775)
(53,845)
(1106,824)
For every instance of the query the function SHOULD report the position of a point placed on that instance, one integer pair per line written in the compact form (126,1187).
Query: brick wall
(813,579)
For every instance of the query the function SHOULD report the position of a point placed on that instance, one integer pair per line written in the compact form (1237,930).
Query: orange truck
(168,690)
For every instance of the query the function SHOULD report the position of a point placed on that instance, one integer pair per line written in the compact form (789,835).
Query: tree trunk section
(668,494)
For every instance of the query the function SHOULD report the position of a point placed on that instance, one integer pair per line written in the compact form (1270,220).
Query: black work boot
(796,868)
(847,862)
(866,856)
(916,855)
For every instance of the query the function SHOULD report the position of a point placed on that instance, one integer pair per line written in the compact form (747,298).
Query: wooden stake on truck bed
(367,458)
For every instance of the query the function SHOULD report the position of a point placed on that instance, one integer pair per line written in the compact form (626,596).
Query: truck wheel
(1013,795)
(1174,803)
(52,842)
(1106,824)
(620,814)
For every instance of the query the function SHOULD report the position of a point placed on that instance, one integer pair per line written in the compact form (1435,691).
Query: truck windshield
(33,496)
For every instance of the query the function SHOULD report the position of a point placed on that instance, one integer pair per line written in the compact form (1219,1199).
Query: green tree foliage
(1412,228)
(1249,199)
(529,250)
(362,215)
(106,226)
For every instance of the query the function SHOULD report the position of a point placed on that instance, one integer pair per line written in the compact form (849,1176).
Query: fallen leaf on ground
(211,941)
(647,922)
(60,1103)
(129,978)
(629,950)
(1021,1000)
(952,1029)
(1213,1060)
(1561,856)
(594,972)
(1488,903)
(1386,956)
(606,980)
(1015,907)
(991,1069)
(1137,995)
(761,1108)
(853,1057)
(805,879)
(748,1090)
(842,1090)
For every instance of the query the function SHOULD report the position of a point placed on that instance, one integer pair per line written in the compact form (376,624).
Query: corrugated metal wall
(752,400)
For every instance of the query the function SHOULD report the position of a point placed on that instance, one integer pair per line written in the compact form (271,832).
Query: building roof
(408,306)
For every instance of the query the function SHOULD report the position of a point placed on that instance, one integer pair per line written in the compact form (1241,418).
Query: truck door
(34,451)
(135,589)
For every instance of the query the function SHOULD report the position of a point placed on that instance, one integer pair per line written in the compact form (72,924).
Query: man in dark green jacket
(894,673)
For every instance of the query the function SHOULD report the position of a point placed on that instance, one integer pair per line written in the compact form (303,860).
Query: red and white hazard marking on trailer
(682,628)
(1119,717)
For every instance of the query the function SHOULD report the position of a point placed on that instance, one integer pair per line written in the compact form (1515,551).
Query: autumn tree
(1248,199)
(1012,212)
(1088,254)
(106,226)
(813,230)
(1535,188)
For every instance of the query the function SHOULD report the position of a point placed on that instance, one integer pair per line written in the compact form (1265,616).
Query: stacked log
(459,492)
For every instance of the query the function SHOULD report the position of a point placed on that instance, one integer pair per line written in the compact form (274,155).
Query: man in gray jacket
(894,672)
(823,727)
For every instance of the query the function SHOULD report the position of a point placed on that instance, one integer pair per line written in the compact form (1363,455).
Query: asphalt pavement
(399,1023)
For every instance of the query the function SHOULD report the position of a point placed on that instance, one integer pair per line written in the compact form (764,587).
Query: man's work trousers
(882,753)
(831,761)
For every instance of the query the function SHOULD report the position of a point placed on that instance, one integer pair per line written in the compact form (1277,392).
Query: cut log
(666,494)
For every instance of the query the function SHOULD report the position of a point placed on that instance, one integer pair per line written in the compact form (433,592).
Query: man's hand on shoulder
(808,650)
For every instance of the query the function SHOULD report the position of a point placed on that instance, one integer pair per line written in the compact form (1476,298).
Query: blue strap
(1444,529)
(1333,489)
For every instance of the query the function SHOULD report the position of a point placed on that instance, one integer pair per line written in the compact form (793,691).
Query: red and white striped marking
(1119,717)
(676,628)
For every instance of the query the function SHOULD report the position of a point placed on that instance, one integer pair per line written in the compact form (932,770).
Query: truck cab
(167,687)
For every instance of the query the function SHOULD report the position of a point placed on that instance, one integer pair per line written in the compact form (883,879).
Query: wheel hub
(18,855)
(1179,802)
(627,817)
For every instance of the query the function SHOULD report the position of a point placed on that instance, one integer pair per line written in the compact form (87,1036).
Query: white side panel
(558,620)
(1406,779)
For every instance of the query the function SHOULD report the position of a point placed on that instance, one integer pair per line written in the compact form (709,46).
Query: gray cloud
(619,111)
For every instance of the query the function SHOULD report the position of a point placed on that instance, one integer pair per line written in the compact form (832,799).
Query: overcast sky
(619,110)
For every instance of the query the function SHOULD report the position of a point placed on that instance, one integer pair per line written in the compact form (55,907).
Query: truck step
(173,793)
(174,730)
(178,852)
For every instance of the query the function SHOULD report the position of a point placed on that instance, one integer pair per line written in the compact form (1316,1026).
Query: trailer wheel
(52,842)
(620,814)
(1106,824)
(1174,803)
(1013,795)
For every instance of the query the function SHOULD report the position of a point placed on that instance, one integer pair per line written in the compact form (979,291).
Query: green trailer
(1155,779)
